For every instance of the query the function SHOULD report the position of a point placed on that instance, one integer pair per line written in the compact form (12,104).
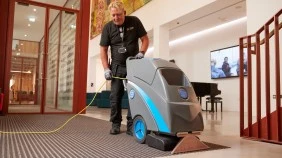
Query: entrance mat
(82,137)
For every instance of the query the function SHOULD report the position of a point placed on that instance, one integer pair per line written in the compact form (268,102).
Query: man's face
(117,15)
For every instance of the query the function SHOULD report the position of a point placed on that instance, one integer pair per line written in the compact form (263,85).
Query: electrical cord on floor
(63,125)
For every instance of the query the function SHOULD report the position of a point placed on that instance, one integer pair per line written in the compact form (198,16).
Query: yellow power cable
(59,128)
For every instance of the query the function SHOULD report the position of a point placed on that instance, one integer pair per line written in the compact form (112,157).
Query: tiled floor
(220,128)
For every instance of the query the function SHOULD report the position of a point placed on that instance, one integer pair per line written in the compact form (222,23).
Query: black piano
(203,89)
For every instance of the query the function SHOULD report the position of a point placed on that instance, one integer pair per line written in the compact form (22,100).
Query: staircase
(260,90)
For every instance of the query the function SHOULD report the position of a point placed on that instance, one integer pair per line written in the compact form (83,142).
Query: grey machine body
(156,91)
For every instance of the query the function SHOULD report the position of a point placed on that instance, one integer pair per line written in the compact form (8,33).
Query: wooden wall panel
(28,47)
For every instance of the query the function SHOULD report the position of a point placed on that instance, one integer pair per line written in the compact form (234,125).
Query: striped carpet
(82,137)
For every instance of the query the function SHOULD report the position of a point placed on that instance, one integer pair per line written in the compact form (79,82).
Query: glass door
(22,84)
(60,62)
(42,79)
(28,31)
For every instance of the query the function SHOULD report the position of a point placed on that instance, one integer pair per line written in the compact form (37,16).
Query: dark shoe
(129,126)
(129,132)
(115,129)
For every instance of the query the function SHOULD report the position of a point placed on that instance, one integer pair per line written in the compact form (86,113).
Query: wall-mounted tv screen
(225,62)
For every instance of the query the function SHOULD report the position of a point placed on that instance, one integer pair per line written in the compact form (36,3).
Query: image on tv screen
(225,62)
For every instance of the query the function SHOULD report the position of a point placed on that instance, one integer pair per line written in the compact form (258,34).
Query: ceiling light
(72,26)
(34,10)
(182,39)
(28,25)
(31,19)
(27,72)
(25,35)
(222,26)
(18,54)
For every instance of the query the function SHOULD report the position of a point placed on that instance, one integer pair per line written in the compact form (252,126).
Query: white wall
(151,15)
(91,74)
(195,54)
(193,57)
(259,12)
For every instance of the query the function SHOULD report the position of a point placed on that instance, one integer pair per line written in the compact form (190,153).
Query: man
(121,34)
(216,72)
(226,68)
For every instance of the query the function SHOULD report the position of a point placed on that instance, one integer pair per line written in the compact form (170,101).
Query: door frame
(81,52)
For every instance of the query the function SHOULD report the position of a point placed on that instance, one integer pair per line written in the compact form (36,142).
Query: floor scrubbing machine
(162,102)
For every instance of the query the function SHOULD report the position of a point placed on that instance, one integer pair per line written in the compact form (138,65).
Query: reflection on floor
(24,108)
(22,102)
(220,128)
(31,108)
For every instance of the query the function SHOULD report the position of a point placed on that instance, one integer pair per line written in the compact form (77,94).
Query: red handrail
(269,127)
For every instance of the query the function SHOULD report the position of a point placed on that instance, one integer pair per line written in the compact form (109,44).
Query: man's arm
(104,57)
(144,43)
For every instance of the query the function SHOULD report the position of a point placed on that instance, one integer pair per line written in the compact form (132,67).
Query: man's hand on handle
(108,74)
(139,55)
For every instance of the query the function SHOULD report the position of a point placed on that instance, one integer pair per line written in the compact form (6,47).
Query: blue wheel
(139,130)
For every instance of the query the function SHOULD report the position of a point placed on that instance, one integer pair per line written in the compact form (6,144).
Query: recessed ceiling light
(34,10)
(72,26)
(28,25)
(25,35)
(197,34)
(31,19)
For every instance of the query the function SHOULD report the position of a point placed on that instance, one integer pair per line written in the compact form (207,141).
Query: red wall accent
(80,77)
(4,33)
(4,6)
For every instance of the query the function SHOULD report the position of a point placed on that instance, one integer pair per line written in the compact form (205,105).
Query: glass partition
(60,62)
(52,62)
(66,62)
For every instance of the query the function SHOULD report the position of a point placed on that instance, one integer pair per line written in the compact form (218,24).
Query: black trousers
(117,91)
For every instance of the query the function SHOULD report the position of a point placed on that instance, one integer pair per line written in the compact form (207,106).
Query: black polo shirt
(133,29)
